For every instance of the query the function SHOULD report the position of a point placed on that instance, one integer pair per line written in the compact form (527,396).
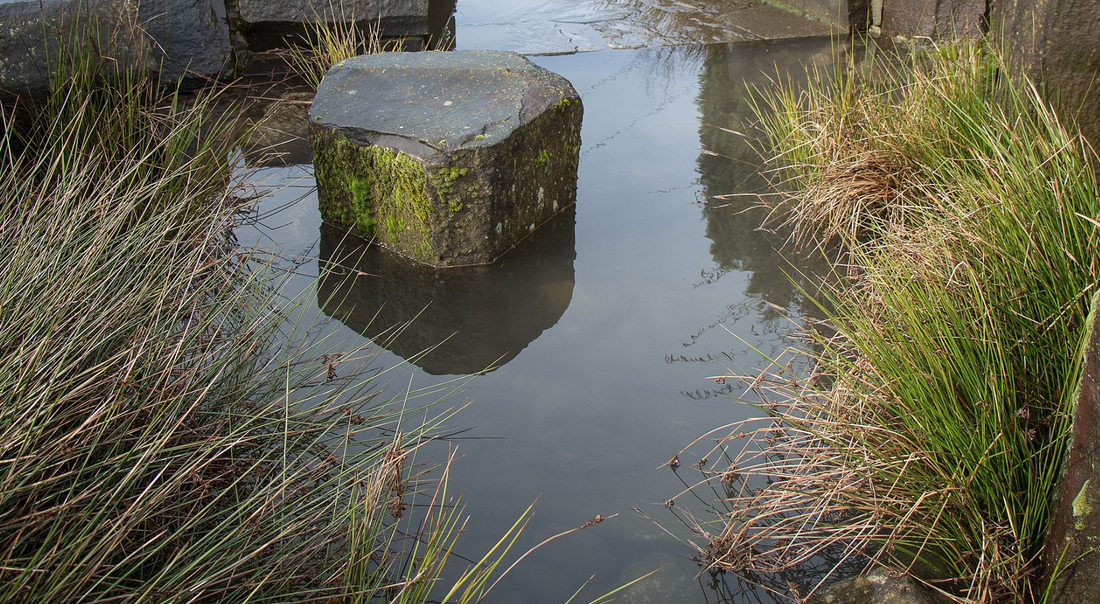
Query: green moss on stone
(446,183)
(375,191)
(565,103)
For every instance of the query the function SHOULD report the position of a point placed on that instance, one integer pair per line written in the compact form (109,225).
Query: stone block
(266,23)
(1056,43)
(1070,551)
(190,38)
(32,32)
(449,158)
(936,19)
(174,39)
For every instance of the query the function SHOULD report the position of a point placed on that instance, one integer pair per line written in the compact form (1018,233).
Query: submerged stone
(879,586)
(449,158)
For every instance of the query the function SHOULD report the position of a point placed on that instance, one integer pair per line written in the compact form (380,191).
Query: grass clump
(931,431)
(159,441)
(328,40)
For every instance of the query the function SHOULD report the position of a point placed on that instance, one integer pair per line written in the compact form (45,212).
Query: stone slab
(844,15)
(767,22)
(450,158)
(313,11)
(266,24)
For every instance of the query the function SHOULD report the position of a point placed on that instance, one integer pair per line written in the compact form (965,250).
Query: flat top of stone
(437,100)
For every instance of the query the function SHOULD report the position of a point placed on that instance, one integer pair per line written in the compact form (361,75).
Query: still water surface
(607,325)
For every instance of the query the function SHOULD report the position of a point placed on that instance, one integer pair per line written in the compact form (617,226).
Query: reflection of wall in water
(493,311)
(729,165)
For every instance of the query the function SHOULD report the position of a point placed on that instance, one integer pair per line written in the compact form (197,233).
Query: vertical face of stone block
(448,158)
(32,33)
(192,37)
(267,23)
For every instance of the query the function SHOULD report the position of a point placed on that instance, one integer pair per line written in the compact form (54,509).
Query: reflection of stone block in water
(449,158)
(493,311)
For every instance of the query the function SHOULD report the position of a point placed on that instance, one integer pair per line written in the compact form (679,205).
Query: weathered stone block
(32,32)
(1056,43)
(265,23)
(1070,551)
(190,38)
(173,39)
(937,19)
(450,158)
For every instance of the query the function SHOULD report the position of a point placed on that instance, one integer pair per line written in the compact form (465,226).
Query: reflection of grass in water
(934,423)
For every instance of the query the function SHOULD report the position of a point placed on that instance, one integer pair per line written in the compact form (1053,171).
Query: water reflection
(569,26)
(477,318)
(583,416)
(729,166)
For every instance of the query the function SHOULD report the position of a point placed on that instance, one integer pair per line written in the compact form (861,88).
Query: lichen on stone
(1082,507)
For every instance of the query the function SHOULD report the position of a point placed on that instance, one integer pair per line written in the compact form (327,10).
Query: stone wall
(936,19)
(188,40)
(1070,552)
(1056,43)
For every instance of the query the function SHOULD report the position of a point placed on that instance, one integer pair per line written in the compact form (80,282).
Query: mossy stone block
(449,158)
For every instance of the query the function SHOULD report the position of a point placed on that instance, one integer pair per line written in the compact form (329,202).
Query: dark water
(604,329)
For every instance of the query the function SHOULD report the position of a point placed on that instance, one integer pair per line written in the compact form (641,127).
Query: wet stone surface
(569,26)
(449,158)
